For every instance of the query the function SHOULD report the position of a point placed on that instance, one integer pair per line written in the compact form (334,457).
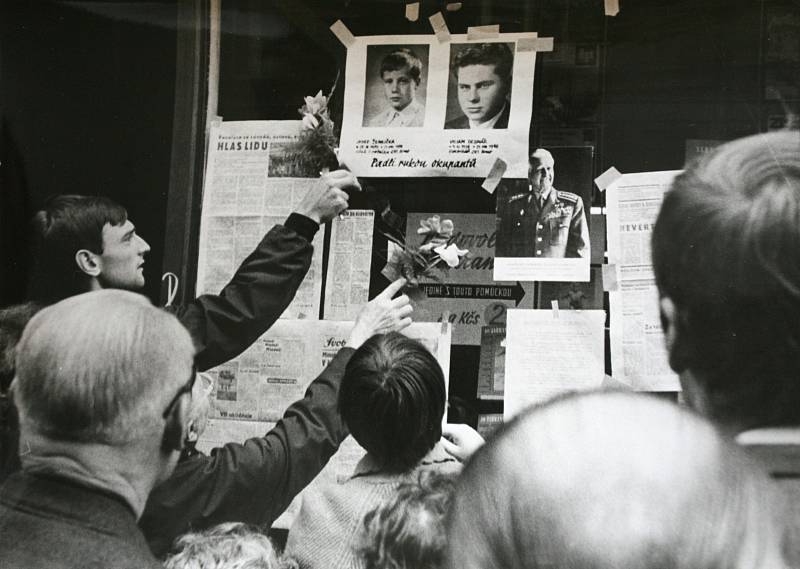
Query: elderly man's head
(541,171)
(726,252)
(104,368)
(605,480)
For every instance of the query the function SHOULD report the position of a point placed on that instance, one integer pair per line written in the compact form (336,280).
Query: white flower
(316,103)
(310,122)
(432,225)
(451,254)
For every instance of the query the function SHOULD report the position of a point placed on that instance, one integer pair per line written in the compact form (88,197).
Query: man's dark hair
(400,59)
(726,251)
(65,225)
(392,400)
(408,530)
(496,54)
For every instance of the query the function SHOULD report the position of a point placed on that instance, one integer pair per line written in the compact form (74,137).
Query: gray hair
(100,367)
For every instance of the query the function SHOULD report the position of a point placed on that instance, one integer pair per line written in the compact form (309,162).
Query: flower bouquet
(434,255)
(315,149)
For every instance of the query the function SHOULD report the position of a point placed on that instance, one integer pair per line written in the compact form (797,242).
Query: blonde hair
(230,545)
(100,367)
(605,480)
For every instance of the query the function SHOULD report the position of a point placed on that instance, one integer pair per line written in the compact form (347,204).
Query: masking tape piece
(495,175)
(440,27)
(607,178)
(612,7)
(610,281)
(453,6)
(445,321)
(340,31)
(412,12)
(554,306)
(483,32)
(535,44)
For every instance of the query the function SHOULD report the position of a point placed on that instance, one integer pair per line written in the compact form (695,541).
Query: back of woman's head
(392,399)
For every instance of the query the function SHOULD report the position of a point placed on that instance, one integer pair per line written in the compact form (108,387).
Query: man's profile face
(122,259)
(400,88)
(481,92)
(541,172)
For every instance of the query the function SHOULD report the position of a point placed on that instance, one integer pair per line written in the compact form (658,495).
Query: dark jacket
(222,326)
(256,481)
(52,523)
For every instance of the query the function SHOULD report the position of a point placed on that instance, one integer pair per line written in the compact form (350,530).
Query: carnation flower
(435,254)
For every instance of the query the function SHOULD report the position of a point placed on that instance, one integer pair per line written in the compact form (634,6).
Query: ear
(89,262)
(177,426)
(675,334)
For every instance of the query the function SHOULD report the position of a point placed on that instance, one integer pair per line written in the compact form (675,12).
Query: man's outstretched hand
(382,314)
(328,199)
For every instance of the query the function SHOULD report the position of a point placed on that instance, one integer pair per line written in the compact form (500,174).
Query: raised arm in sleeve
(252,482)
(224,325)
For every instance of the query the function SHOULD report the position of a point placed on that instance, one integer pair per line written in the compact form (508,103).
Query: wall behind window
(87,95)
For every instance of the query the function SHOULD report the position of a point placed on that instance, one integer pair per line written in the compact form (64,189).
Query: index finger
(340,173)
(448,446)
(393,288)
(451,430)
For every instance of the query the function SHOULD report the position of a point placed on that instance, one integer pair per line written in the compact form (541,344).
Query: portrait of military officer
(400,75)
(482,81)
(540,221)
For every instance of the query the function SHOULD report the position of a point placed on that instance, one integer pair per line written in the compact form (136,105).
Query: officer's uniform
(556,229)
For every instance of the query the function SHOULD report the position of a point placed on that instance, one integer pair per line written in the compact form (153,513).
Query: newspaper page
(276,370)
(349,258)
(245,195)
(467,294)
(492,363)
(549,352)
(488,423)
(416,107)
(638,352)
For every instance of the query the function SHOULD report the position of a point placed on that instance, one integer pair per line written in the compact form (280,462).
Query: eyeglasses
(185,388)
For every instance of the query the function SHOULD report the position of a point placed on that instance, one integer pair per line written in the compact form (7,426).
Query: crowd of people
(103,402)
